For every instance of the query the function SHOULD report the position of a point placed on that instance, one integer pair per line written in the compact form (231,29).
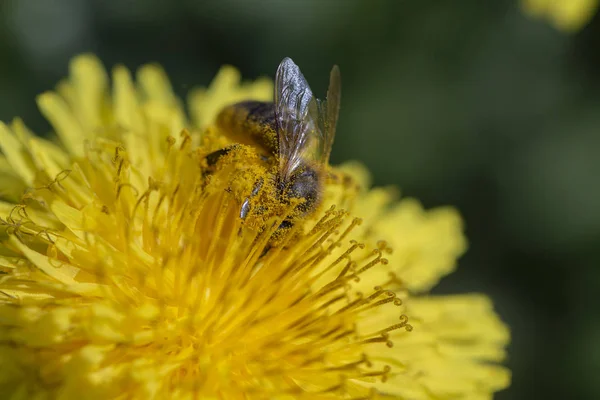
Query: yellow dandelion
(126,271)
(567,15)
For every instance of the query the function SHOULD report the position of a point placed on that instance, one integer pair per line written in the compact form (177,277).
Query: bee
(295,132)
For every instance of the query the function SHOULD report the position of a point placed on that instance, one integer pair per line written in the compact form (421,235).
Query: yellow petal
(155,85)
(450,349)
(39,217)
(89,81)
(67,127)
(15,154)
(358,172)
(60,271)
(426,244)
(225,89)
(126,108)
(12,186)
(72,218)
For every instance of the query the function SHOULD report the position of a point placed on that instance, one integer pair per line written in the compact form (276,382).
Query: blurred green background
(468,102)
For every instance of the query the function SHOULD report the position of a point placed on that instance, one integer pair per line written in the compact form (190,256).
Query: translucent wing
(305,125)
(295,107)
(328,112)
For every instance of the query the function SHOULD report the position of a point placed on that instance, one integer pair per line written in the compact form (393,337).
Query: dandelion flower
(567,15)
(126,272)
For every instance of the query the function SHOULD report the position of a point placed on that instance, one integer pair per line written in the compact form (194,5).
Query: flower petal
(15,154)
(67,127)
(89,80)
(126,107)
(63,273)
(450,350)
(226,88)
(426,244)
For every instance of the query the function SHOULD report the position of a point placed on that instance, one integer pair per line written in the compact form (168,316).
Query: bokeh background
(470,103)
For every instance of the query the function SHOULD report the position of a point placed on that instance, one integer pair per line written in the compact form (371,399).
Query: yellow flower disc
(127,273)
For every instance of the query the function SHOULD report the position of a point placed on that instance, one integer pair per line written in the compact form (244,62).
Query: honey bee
(295,132)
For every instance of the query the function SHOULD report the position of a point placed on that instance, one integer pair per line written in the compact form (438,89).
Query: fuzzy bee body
(252,123)
(294,133)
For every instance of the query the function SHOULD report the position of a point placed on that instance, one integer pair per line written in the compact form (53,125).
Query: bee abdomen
(252,123)
(305,185)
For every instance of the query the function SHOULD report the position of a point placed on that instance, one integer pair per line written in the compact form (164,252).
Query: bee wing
(328,112)
(306,125)
(295,108)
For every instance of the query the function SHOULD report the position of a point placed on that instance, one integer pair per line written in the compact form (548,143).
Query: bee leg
(211,161)
(245,208)
(246,204)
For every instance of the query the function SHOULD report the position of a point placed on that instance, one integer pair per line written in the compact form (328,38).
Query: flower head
(127,272)
(567,15)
